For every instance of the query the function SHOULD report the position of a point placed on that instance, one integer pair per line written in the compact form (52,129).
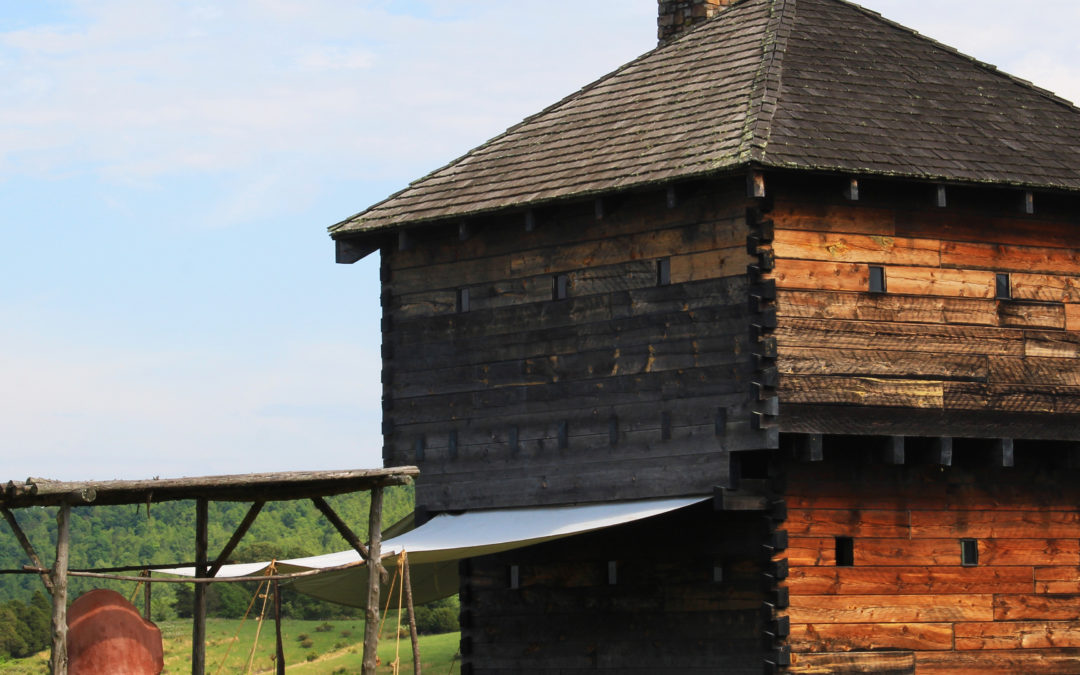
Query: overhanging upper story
(798,217)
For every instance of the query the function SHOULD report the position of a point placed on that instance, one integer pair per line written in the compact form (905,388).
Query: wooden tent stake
(59,661)
(198,614)
(407,586)
(371,614)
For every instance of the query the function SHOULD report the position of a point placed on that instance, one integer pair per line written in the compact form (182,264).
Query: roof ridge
(1046,93)
(765,92)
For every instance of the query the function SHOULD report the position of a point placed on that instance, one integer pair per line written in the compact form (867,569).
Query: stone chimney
(678,16)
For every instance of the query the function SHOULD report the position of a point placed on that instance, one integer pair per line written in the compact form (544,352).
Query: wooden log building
(798,260)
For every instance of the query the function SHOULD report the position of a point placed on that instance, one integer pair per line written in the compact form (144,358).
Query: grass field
(326,648)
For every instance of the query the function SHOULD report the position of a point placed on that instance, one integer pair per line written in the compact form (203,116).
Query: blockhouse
(802,262)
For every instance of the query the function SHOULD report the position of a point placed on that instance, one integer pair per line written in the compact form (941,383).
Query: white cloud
(136,89)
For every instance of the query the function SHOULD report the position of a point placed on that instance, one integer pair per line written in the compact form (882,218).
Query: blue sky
(169,302)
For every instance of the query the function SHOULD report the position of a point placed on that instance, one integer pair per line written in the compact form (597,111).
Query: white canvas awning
(435,547)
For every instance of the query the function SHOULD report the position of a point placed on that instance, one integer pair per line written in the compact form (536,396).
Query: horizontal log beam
(239,487)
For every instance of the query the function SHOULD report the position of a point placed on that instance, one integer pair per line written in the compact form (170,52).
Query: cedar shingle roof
(799,84)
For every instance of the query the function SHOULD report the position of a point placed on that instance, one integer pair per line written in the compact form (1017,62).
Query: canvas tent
(435,548)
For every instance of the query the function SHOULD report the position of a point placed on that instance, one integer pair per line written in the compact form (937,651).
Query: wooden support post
(809,448)
(59,661)
(407,586)
(1003,452)
(851,192)
(371,614)
(892,450)
(241,530)
(198,613)
(146,595)
(279,654)
(26,546)
(941,451)
(340,526)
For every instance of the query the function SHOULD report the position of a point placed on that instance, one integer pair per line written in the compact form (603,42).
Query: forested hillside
(109,536)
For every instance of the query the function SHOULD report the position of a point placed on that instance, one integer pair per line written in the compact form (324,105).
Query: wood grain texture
(871,637)
(854,663)
(935,608)
(856,248)
(1017,635)
(923,579)
(1001,662)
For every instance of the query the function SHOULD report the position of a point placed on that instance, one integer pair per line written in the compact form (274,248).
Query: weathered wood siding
(907,604)
(665,613)
(627,388)
(938,343)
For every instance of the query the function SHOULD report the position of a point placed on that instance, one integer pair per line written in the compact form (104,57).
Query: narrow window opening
(613,572)
(1004,287)
(663,272)
(613,431)
(564,435)
(462,300)
(515,577)
(515,443)
(451,444)
(418,449)
(665,426)
(845,552)
(718,574)
(877,279)
(559,286)
(969,552)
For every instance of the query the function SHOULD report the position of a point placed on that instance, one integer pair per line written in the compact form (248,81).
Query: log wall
(634,385)
(939,339)
(908,604)
(639,598)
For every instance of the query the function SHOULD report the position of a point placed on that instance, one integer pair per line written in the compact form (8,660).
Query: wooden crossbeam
(344,530)
(26,546)
(241,530)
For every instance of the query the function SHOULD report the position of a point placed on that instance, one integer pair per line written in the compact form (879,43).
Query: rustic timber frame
(255,488)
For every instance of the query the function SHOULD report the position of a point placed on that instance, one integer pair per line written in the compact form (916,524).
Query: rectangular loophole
(564,435)
(451,444)
(560,285)
(515,577)
(663,272)
(1003,290)
(462,300)
(665,426)
(613,431)
(612,572)
(969,552)
(418,449)
(845,552)
(877,279)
